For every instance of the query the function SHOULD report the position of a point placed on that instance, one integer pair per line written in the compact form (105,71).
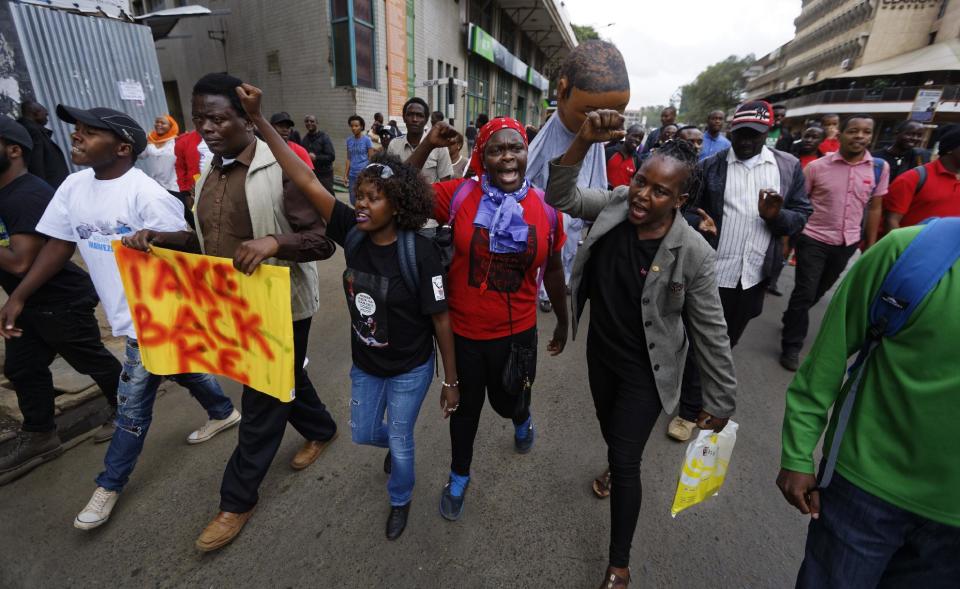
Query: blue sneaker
(451,501)
(524,436)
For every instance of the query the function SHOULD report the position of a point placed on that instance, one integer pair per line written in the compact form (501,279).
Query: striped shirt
(744,237)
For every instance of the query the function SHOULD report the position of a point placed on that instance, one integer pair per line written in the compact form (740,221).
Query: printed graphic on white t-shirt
(93,213)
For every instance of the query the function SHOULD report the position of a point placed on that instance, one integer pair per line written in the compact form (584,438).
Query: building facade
(874,56)
(334,58)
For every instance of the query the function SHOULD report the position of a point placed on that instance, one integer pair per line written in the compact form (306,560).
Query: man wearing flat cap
(57,319)
(91,209)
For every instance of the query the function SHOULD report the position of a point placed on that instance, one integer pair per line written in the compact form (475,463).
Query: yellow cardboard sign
(197,313)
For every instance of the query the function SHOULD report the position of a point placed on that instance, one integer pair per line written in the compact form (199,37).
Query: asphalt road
(530,521)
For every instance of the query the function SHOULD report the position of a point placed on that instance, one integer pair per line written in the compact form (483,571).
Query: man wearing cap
(246,210)
(282,122)
(755,195)
(92,208)
(46,158)
(57,319)
(321,151)
(909,202)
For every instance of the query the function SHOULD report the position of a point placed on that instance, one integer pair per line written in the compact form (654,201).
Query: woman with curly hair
(396,292)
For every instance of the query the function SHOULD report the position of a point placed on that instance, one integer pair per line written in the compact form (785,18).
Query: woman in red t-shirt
(504,235)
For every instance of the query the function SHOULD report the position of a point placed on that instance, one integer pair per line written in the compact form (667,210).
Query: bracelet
(455,383)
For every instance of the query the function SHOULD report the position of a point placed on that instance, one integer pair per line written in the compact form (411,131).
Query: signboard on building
(483,44)
(925,104)
(396,18)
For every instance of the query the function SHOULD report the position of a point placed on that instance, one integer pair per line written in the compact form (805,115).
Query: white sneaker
(213,427)
(97,511)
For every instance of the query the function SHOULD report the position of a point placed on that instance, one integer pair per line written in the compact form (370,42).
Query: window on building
(521,114)
(508,32)
(430,77)
(354,53)
(411,55)
(932,38)
(481,14)
(478,88)
(273,62)
(504,98)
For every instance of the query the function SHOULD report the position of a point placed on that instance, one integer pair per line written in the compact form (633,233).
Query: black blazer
(709,196)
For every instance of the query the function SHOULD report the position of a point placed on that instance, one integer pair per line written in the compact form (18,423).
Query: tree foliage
(585,32)
(718,87)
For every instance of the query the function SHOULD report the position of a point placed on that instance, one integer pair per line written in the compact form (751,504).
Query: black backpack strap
(352,242)
(407,251)
(922,173)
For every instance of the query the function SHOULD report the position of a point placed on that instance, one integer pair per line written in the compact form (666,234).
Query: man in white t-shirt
(91,209)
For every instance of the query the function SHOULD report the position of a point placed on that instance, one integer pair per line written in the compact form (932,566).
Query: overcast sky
(666,43)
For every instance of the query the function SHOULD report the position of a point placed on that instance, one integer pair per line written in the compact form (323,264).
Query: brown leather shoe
(615,579)
(309,453)
(221,530)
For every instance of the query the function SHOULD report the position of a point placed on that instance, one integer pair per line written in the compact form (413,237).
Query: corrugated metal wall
(80,61)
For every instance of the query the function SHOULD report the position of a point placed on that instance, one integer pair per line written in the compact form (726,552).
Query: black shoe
(451,507)
(790,361)
(30,451)
(397,521)
(545,306)
(772,289)
(106,431)
(387,463)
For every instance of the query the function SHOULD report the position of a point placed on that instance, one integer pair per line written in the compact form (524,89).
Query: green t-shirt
(901,442)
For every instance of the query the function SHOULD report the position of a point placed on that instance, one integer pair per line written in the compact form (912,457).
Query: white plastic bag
(704,467)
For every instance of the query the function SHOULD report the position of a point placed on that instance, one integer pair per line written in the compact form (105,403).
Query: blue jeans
(135,397)
(352,187)
(400,397)
(861,541)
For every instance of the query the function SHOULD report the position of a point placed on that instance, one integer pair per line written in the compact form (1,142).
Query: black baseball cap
(282,117)
(120,123)
(13,132)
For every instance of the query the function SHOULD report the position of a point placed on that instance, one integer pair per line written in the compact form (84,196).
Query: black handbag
(520,369)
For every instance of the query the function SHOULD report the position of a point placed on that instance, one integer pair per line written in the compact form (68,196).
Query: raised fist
(602,125)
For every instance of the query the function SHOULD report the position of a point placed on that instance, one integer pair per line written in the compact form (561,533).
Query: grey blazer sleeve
(708,334)
(563,194)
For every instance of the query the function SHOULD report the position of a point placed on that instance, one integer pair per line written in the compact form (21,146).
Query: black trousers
(70,330)
(261,430)
(819,265)
(325,178)
(627,410)
(480,368)
(739,307)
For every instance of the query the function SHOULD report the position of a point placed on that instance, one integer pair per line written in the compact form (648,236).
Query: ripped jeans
(135,397)
(400,397)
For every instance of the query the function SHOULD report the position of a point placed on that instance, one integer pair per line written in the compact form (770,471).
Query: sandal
(614,581)
(601,485)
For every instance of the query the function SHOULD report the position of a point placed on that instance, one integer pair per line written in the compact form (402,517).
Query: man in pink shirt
(840,186)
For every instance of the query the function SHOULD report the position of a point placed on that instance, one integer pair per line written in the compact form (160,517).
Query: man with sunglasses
(246,211)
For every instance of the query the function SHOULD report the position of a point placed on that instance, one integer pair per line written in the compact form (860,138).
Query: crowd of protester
(675,242)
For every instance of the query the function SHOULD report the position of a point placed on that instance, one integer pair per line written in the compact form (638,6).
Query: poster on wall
(925,104)
(396,18)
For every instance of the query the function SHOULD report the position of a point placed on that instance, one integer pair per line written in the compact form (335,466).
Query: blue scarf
(501,214)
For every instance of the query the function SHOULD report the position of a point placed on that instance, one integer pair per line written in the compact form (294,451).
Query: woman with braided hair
(650,278)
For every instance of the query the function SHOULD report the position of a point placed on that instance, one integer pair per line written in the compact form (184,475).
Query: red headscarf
(476,160)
